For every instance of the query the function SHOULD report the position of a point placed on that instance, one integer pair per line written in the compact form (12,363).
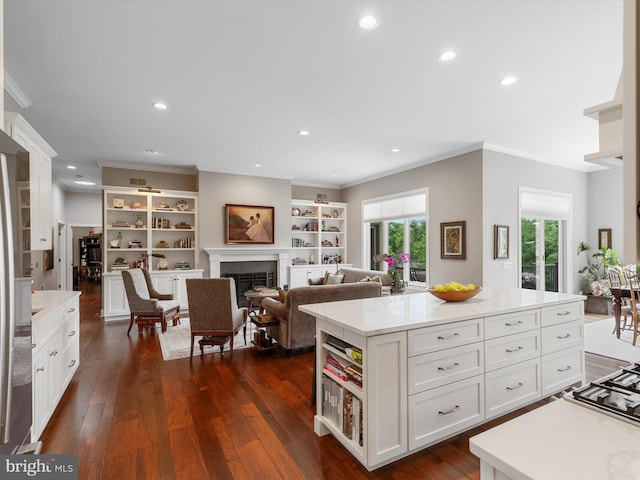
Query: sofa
(354,275)
(296,331)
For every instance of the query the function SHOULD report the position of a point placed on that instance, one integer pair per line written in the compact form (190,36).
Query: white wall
(83,209)
(502,179)
(605,209)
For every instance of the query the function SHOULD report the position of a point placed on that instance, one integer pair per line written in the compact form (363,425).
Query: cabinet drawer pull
(565,369)
(54,353)
(449,367)
(71,333)
(567,312)
(33,345)
(451,410)
(447,337)
(71,364)
(43,239)
(562,337)
(513,350)
(40,369)
(72,309)
(519,385)
(519,322)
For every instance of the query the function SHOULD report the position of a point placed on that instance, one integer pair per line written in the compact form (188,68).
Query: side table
(254,297)
(261,340)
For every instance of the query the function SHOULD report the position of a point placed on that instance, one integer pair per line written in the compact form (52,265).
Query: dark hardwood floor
(128,414)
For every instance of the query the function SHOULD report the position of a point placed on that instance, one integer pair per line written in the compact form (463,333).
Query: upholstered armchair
(214,313)
(147,306)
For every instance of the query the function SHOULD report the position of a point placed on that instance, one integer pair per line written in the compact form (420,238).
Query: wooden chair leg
(192,339)
(130,323)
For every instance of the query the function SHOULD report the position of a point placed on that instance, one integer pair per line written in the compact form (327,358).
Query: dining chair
(146,305)
(214,314)
(618,280)
(634,294)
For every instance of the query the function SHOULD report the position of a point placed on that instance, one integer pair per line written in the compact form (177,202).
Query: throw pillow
(333,279)
(371,279)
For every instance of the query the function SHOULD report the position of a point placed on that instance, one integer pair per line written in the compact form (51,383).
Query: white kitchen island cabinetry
(432,369)
(56,351)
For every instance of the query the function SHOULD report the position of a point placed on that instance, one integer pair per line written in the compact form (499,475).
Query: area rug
(176,341)
(599,340)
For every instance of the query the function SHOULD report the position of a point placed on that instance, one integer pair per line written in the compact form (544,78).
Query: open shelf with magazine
(341,402)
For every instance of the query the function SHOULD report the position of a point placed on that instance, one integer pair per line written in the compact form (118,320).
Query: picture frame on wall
(249,224)
(453,243)
(604,238)
(500,241)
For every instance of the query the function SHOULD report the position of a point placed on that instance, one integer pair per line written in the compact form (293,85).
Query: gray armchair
(147,306)
(214,313)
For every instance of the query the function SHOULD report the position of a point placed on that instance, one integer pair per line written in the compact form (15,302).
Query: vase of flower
(398,285)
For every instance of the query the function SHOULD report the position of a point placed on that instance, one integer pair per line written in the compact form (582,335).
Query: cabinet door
(385,362)
(181,287)
(39,395)
(114,297)
(164,282)
(43,203)
(54,357)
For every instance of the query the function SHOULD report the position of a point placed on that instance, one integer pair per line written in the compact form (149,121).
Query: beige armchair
(147,306)
(214,313)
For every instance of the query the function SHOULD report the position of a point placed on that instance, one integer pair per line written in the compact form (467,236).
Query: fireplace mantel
(248,254)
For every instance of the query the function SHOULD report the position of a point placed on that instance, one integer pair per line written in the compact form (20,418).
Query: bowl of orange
(454,291)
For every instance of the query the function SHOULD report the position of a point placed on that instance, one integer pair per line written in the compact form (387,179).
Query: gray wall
(604,206)
(455,194)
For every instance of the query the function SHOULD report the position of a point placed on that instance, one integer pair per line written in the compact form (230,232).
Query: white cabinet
(149,229)
(299,275)
(318,232)
(40,155)
(56,357)
(114,297)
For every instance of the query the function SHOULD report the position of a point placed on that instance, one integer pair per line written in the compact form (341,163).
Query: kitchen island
(400,373)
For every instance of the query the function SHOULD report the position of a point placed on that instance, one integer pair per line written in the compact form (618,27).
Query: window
(394,225)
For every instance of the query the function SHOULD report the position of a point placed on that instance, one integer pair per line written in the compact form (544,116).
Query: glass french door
(540,254)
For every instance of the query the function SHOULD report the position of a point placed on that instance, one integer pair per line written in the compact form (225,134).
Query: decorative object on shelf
(116,243)
(139,222)
(298,261)
(118,203)
(321,198)
(500,241)
(163,264)
(183,226)
(120,224)
(135,205)
(182,265)
(162,244)
(249,224)
(295,212)
(163,206)
(335,213)
(604,238)
(135,244)
(453,243)
(119,264)
(182,205)
(454,295)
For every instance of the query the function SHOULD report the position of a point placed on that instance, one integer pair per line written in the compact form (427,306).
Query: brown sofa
(297,330)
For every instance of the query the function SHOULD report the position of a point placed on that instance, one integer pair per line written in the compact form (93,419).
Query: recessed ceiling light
(257,164)
(510,80)
(83,182)
(303,133)
(367,22)
(395,150)
(446,56)
(71,167)
(160,106)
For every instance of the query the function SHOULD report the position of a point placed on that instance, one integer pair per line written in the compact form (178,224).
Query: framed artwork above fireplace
(249,224)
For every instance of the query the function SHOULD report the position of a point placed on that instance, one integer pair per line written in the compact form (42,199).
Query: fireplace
(248,275)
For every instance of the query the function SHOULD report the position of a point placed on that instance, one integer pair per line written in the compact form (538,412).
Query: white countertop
(376,316)
(47,301)
(562,440)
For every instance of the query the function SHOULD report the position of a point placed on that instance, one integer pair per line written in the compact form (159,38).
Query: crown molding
(12,88)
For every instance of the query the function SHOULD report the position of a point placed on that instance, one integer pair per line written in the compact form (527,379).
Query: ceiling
(242,78)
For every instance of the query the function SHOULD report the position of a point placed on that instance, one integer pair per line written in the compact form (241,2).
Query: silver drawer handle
(72,309)
(71,363)
(40,369)
(33,345)
(520,385)
(565,369)
(43,239)
(513,350)
(564,313)
(447,337)
(449,367)
(562,337)
(451,410)
(519,322)
(71,333)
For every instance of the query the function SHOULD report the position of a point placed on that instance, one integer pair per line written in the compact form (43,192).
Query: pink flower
(404,257)
(390,261)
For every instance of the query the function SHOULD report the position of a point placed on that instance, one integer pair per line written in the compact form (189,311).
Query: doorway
(540,254)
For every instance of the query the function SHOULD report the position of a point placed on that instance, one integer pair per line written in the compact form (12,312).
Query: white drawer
(443,411)
(512,387)
(70,330)
(439,337)
(46,328)
(504,351)
(561,369)
(509,323)
(562,336)
(447,366)
(555,314)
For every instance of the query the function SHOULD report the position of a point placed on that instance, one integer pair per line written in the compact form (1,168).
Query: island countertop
(44,302)
(394,313)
